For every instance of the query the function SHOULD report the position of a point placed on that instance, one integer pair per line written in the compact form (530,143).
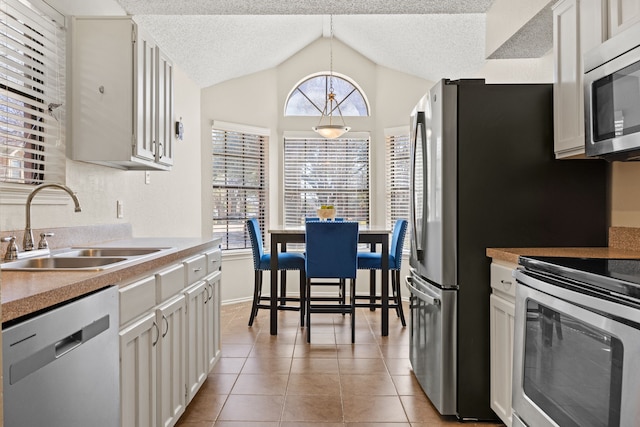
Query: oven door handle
(421,295)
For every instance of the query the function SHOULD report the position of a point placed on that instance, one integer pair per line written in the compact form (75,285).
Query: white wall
(169,206)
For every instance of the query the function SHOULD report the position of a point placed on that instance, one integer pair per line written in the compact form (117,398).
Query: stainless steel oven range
(577,343)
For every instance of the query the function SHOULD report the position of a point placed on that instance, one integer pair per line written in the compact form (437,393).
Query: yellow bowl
(325,214)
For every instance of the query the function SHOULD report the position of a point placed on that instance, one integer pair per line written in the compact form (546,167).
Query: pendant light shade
(326,128)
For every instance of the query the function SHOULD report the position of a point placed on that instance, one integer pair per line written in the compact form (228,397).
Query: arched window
(309,96)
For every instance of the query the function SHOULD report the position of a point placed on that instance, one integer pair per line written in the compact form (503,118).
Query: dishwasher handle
(418,293)
(48,354)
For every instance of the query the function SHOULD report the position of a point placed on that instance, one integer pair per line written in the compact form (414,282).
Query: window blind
(239,185)
(326,172)
(398,155)
(32,93)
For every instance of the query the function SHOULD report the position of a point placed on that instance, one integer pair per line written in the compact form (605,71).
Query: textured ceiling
(216,40)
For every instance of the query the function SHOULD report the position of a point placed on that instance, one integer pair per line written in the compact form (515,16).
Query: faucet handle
(12,248)
(43,244)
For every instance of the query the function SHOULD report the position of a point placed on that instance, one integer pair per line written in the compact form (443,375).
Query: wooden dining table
(373,236)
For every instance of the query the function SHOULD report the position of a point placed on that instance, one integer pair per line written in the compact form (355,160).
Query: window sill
(17,194)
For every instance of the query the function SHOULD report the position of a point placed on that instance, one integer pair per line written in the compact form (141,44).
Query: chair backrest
(256,241)
(397,241)
(312,219)
(331,249)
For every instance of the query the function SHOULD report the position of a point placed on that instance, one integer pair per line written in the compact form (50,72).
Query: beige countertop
(27,292)
(624,242)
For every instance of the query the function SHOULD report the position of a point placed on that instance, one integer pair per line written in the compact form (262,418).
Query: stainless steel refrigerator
(484,175)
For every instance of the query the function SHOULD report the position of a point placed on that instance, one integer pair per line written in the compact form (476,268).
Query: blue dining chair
(313,219)
(262,263)
(373,261)
(331,253)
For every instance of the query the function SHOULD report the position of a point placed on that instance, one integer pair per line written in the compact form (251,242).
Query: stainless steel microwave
(612,98)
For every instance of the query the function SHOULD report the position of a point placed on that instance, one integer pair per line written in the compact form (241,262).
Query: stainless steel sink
(62,263)
(108,252)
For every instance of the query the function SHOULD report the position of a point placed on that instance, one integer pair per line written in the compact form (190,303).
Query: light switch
(119,209)
(147,177)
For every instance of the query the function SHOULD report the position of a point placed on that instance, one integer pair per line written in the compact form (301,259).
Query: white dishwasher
(60,367)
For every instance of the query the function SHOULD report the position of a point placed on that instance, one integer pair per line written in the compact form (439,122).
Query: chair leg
(308,313)
(372,289)
(353,311)
(283,287)
(395,283)
(257,293)
(303,299)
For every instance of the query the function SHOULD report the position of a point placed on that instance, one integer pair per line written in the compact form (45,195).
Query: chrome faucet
(27,241)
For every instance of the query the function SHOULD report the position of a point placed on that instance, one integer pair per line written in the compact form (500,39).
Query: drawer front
(137,298)
(196,268)
(169,282)
(214,260)
(502,279)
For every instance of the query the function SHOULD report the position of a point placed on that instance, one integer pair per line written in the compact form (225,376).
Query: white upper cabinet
(622,15)
(568,115)
(122,96)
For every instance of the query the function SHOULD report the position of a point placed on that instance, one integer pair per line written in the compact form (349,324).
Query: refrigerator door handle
(419,294)
(419,144)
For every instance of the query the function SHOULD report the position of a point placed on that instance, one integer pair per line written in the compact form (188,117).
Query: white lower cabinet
(197,367)
(169,340)
(502,312)
(138,372)
(213,319)
(171,389)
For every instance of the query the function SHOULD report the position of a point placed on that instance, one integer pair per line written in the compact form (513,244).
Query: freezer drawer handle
(421,295)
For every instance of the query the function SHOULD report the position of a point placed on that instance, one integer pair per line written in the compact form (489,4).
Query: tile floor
(264,380)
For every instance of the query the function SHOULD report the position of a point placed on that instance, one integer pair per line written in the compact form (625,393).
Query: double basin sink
(89,258)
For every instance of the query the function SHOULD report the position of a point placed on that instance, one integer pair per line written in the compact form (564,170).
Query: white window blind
(326,172)
(32,93)
(398,154)
(239,185)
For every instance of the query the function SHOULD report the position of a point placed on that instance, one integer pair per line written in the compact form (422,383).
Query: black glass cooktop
(613,275)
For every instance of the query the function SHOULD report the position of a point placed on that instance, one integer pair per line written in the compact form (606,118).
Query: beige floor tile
(261,365)
(374,409)
(314,384)
(312,408)
(270,384)
(252,408)
(367,385)
(362,366)
(309,365)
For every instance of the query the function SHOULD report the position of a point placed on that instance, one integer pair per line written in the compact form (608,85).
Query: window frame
(46,17)
(307,136)
(252,132)
(327,75)
(397,175)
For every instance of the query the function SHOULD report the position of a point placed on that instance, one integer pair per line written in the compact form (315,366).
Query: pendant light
(329,129)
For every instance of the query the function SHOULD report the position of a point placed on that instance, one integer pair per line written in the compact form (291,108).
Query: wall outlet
(147,177)
(119,209)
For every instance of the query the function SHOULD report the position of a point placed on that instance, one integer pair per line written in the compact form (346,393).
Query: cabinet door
(164,116)
(213,320)
(171,320)
(567,94)
(196,295)
(138,372)
(502,329)
(145,73)
(593,24)
(622,15)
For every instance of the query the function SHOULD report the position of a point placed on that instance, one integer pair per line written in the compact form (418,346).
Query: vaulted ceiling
(217,40)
